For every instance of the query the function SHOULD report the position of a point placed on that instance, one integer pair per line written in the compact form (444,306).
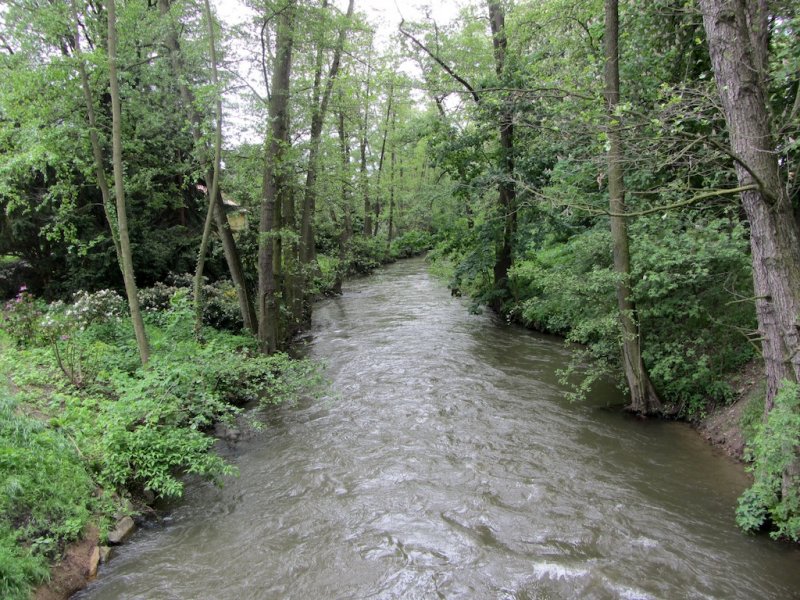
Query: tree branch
(441,63)
(687,202)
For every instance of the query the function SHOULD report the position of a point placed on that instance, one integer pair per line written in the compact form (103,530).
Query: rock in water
(94,560)
(124,528)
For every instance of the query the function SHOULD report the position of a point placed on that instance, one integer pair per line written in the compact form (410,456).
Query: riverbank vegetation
(88,435)
(615,174)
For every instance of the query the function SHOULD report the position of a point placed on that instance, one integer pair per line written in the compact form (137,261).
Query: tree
(119,190)
(362,148)
(275,182)
(644,399)
(321,96)
(506,184)
(738,42)
(507,187)
(232,256)
(212,195)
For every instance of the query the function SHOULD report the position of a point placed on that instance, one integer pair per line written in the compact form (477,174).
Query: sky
(385,15)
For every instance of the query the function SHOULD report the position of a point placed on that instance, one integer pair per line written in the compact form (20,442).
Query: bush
(105,428)
(220,302)
(774,498)
(20,567)
(411,243)
(684,286)
(20,318)
(365,254)
(325,277)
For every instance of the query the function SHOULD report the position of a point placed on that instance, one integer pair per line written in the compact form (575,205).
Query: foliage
(117,427)
(325,277)
(411,243)
(20,318)
(45,497)
(366,254)
(20,567)
(436,169)
(220,305)
(773,500)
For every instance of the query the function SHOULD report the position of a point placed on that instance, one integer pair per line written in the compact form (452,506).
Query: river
(446,463)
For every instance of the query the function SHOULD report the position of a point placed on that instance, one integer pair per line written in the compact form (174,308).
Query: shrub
(324,277)
(20,567)
(411,243)
(685,289)
(774,497)
(220,302)
(20,318)
(365,254)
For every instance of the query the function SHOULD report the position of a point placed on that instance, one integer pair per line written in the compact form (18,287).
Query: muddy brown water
(447,464)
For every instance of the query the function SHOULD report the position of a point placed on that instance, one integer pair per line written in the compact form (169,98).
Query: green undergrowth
(773,501)
(86,432)
(689,289)
(363,255)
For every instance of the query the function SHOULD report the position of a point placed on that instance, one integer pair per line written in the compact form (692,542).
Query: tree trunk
(319,111)
(377,203)
(232,257)
(507,188)
(97,151)
(644,399)
(201,253)
(275,180)
(321,98)
(347,230)
(393,165)
(363,152)
(119,189)
(738,54)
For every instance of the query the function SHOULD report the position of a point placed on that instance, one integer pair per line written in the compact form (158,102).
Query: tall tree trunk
(119,189)
(275,181)
(393,165)
(644,399)
(737,39)
(321,98)
(97,151)
(319,111)
(364,176)
(507,187)
(377,203)
(347,229)
(232,257)
(201,253)
(738,55)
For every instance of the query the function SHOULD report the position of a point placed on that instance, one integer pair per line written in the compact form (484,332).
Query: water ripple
(449,465)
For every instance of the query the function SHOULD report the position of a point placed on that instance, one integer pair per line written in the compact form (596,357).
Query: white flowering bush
(63,325)
(98,307)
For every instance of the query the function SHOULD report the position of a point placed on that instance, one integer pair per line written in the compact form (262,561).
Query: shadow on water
(447,463)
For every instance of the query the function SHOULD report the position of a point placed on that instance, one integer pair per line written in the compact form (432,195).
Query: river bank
(729,427)
(447,461)
(720,427)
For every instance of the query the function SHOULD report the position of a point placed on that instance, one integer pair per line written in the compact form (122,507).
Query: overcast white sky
(385,15)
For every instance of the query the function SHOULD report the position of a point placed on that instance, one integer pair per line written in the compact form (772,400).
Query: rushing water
(447,464)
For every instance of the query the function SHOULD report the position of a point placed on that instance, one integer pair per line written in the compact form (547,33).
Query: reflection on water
(447,464)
